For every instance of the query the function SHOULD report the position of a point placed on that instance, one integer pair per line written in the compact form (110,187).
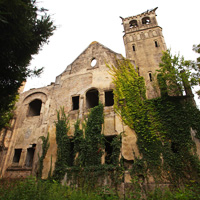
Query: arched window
(133,23)
(92,98)
(34,108)
(146,20)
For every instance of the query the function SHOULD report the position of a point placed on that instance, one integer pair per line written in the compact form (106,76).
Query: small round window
(93,62)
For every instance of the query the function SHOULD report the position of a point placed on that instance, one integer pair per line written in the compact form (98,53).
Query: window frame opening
(34,108)
(30,156)
(75,102)
(156,43)
(109,98)
(92,98)
(17,156)
(109,149)
(150,77)
(93,62)
(133,47)
(174,147)
(133,23)
(146,20)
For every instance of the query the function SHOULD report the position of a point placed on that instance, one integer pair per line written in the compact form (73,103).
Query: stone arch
(92,97)
(33,103)
(133,24)
(146,20)
(36,95)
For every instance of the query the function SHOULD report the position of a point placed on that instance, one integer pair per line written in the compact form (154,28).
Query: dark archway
(133,24)
(146,20)
(34,108)
(92,98)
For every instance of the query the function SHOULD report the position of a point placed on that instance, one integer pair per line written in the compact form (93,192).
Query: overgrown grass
(51,190)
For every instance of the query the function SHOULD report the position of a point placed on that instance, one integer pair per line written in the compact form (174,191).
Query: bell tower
(144,44)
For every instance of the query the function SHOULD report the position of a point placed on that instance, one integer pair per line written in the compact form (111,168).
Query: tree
(196,48)
(162,125)
(178,74)
(24,29)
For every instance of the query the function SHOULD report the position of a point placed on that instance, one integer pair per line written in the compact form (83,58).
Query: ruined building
(81,86)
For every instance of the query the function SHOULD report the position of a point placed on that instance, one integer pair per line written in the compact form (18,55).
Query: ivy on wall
(45,147)
(89,145)
(63,145)
(163,127)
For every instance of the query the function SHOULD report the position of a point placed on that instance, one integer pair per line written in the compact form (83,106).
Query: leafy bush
(51,190)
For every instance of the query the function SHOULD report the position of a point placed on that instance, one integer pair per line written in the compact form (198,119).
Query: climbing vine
(63,145)
(89,144)
(163,127)
(45,147)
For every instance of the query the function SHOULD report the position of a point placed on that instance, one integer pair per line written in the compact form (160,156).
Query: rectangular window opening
(156,44)
(108,149)
(150,77)
(133,47)
(109,98)
(30,155)
(75,103)
(17,155)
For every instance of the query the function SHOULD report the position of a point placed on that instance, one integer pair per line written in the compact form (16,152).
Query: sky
(80,22)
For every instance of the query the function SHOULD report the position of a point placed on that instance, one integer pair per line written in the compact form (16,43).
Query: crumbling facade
(80,87)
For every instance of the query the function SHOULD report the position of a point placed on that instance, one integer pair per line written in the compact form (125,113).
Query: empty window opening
(75,103)
(133,47)
(146,20)
(156,44)
(108,149)
(17,155)
(133,23)
(174,147)
(34,108)
(109,98)
(92,98)
(93,62)
(150,77)
(30,155)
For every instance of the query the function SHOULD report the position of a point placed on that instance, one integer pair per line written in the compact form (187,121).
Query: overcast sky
(80,22)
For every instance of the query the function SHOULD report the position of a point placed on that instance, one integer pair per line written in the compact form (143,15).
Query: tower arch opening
(146,20)
(133,24)
(92,98)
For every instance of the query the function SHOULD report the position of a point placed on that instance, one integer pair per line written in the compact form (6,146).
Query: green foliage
(89,144)
(24,29)
(177,73)
(45,147)
(7,114)
(32,189)
(51,190)
(89,147)
(162,125)
(116,146)
(196,48)
(93,137)
(63,145)
(79,145)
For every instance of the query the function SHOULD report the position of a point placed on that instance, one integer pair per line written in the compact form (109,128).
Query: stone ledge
(19,169)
